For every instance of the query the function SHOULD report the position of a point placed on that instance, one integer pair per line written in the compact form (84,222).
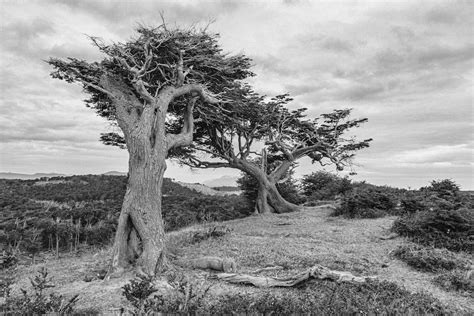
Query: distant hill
(224,181)
(24,176)
(204,189)
(115,173)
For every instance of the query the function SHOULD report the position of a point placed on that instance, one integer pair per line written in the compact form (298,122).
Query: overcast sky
(406,65)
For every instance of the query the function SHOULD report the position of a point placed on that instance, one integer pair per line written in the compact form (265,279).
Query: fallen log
(316,272)
(267,269)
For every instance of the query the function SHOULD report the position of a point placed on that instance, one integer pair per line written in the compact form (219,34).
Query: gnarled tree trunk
(269,199)
(140,236)
(261,203)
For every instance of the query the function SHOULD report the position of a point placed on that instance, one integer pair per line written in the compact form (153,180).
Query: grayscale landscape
(237,158)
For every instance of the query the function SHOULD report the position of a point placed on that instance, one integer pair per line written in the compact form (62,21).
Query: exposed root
(316,272)
(226,265)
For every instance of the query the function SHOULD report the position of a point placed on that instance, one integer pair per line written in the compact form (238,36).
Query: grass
(294,241)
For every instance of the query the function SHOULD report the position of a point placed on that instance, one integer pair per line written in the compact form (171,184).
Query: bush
(366,202)
(7,259)
(323,185)
(37,303)
(446,189)
(453,229)
(185,297)
(456,280)
(428,259)
(215,231)
(180,212)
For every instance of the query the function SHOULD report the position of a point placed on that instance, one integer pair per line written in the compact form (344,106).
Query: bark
(277,202)
(316,272)
(261,204)
(140,236)
(269,200)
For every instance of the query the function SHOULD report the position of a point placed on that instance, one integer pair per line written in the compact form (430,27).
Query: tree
(286,136)
(149,86)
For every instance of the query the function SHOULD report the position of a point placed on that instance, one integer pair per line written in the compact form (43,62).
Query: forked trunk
(277,202)
(261,204)
(269,200)
(140,236)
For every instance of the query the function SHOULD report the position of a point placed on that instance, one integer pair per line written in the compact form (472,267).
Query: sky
(405,65)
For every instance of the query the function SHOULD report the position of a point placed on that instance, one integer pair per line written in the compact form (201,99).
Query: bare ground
(293,241)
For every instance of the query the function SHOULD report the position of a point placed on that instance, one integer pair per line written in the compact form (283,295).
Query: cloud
(450,154)
(407,66)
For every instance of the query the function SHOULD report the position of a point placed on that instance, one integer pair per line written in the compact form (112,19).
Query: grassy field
(293,241)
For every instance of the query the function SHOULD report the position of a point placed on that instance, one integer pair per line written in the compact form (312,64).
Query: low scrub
(453,229)
(366,202)
(456,280)
(184,298)
(214,231)
(329,298)
(37,302)
(429,259)
(321,297)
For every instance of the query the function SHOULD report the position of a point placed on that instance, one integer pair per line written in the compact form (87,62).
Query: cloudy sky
(406,65)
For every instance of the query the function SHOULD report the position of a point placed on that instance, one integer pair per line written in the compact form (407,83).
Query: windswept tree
(149,86)
(266,139)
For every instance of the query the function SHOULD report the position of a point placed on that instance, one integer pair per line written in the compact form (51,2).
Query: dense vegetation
(439,215)
(62,213)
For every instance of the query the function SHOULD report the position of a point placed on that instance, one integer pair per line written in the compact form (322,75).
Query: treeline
(62,213)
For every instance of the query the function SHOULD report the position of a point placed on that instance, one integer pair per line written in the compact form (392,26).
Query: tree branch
(194,162)
(194,88)
(185,138)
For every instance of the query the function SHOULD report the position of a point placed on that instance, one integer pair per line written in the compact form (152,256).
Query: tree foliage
(160,63)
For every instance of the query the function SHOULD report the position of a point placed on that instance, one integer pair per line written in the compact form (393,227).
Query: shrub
(366,202)
(185,297)
(413,202)
(37,303)
(179,212)
(446,189)
(456,280)
(323,185)
(214,231)
(428,259)
(453,229)
(7,259)
(137,292)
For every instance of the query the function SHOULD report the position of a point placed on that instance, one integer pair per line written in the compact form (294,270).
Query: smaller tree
(286,136)
(287,188)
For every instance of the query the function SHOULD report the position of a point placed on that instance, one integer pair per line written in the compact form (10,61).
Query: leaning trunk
(140,237)
(278,202)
